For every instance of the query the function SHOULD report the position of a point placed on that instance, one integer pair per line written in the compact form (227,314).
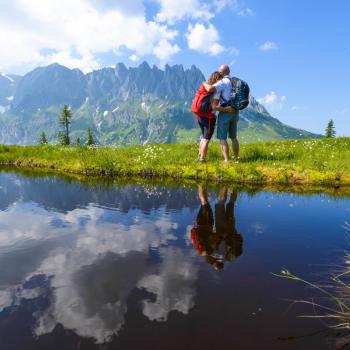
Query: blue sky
(295,54)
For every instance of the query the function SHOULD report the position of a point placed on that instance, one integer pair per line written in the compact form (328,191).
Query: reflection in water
(222,243)
(83,266)
(90,259)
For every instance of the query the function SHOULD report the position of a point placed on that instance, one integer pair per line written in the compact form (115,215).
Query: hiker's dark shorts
(207,127)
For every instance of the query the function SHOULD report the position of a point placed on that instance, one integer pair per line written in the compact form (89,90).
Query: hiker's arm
(209,88)
(216,107)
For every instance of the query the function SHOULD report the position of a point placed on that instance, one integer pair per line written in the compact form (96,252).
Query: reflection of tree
(224,243)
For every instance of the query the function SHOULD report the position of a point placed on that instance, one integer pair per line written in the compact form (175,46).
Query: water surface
(161,267)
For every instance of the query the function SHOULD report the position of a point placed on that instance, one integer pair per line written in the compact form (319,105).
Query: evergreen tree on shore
(43,139)
(89,138)
(330,130)
(65,120)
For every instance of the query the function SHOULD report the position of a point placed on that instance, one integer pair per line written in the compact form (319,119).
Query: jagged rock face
(174,83)
(7,90)
(122,105)
(47,86)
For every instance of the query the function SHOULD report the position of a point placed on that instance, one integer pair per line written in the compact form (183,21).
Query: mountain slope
(122,106)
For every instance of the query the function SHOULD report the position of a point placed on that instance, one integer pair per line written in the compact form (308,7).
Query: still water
(161,267)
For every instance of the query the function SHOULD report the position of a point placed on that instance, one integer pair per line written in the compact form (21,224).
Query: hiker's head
(214,77)
(224,70)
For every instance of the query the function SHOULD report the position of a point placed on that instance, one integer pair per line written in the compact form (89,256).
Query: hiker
(203,107)
(228,119)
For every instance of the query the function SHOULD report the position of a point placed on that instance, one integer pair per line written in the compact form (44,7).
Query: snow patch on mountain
(7,77)
(3,109)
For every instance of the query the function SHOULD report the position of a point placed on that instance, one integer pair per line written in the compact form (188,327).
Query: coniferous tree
(62,138)
(43,139)
(330,130)
(89,138)
(78,142)
(65,120)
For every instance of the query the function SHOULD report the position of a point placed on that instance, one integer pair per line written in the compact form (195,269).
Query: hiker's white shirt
(223,88)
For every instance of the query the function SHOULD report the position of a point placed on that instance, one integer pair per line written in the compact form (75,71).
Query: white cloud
(164,50)
(245,12)
(134,58)
(268,45)
(172,11)
(273,102)
(219,5)
(204,39)
(74,33)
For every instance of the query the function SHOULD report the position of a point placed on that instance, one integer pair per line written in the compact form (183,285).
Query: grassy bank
(315,162)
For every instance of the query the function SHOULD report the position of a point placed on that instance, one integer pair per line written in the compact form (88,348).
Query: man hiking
(227,121)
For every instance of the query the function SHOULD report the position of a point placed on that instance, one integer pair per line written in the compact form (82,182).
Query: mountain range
(121,105)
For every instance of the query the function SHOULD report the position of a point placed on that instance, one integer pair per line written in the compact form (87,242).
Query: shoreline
(283,163)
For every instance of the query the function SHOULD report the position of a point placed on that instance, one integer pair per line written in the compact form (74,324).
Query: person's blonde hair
(214,77)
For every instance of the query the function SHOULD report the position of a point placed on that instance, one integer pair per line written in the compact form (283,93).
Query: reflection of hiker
(225,244)
(202,232)
(202,107)
(228,242)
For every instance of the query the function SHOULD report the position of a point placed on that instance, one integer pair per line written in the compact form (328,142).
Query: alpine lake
(88,264)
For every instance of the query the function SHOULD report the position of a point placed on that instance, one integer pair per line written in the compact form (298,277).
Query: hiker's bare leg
(203,148)
(224,149)
(202,194)
(223,195)
(235,147)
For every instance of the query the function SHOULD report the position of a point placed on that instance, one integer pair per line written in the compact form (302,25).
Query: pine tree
(62,138)
(89,138)
(66,116)
(78,142)
(330,130)
(43,139)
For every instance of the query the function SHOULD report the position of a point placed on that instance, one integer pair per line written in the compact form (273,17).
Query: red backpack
(201,104)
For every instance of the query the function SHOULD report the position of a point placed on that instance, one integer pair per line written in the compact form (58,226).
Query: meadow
(309,162)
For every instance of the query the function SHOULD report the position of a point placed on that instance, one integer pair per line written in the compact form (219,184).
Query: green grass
(316,162)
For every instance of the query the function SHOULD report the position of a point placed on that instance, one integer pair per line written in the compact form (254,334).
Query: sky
(294,54)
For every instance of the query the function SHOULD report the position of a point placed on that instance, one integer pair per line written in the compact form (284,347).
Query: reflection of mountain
(57,194)
(79,266)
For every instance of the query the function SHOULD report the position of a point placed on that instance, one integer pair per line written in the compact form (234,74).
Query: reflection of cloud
(5,299)
(173,286)
(71,304)
(258,228)
(93,261)
(93,300)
